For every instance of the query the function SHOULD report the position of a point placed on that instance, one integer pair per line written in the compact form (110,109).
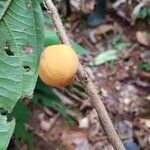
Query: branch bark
(87,83)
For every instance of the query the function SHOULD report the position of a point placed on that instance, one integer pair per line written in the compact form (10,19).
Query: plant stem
(87,83)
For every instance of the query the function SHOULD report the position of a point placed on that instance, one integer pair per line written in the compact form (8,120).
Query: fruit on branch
(58,65)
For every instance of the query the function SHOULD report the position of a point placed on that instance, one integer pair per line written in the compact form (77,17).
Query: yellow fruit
(58,65)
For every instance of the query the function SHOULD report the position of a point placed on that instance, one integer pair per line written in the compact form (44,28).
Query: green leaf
(6,130)
(144,66)
(116,39)
(118,44)
(145,12)
(48,20)
(48,98)
(136,11)
(51,38)
(3,7)
(21,40)
(105,57)
(79,49)
(111,54)
(22,114)
(122,45)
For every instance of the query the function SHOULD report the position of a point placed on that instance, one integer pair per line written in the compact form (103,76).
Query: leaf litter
(116,72)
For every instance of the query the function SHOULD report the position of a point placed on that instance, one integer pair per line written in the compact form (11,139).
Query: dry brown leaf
(75,139)
(57,130)
(76,4)
(146,122)
(102,146)
(117,3)
(103,29)
(145,75)
(148,97)
(87,6)
(100,30)
(143,38)
(145,55)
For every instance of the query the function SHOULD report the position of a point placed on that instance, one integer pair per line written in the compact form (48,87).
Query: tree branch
(87,83)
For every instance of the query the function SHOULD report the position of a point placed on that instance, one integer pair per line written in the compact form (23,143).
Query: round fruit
(58,65)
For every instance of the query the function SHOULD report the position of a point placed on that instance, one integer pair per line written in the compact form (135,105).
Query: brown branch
(87,84)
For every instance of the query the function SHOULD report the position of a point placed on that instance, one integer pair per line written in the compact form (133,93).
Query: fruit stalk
(87,83)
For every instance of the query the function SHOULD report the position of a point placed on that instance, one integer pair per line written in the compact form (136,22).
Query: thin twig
(87,84)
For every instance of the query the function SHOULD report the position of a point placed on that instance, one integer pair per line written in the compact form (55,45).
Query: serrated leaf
(21,41)
(105,57)
(6,130)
